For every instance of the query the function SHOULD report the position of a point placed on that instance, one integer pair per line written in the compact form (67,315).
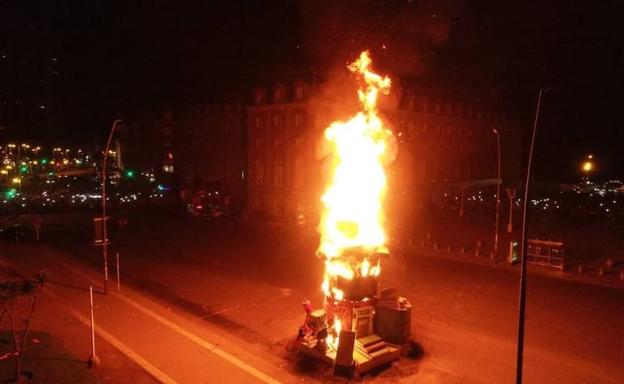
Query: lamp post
(104,223)
(498,185)
(587,167)
(523,265)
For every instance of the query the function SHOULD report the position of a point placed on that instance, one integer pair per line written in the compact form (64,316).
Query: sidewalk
(167,345)
(610,278)
(58,346)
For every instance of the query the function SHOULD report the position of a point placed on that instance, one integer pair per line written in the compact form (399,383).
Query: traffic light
(23,168)
(129,173)
(10,193)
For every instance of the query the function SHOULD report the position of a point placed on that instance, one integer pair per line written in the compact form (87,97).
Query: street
(248,288)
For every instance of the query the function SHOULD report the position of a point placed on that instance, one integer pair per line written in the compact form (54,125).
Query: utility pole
(523,272)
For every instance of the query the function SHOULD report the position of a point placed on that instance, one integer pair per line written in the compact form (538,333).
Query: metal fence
(546,253)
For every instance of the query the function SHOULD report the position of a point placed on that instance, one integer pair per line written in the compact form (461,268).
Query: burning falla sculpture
(353,241)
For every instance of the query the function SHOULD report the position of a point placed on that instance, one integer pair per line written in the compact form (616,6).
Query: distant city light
(10,194)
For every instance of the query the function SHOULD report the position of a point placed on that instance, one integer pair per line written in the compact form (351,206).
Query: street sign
(512,258)
(99,230)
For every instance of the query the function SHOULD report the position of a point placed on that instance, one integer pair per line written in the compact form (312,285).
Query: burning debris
(359,327)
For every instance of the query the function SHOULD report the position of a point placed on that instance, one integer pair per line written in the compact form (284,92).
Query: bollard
(580,270)
(600,271)
(462,250)
(622,274)
(435,246)
(449,248)
(93,359)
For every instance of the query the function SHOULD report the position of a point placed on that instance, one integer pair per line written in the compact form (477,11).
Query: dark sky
(118,57)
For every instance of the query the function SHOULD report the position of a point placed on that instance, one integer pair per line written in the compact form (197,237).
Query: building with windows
(283,128)
(209,151)
(200,149)
(444,144)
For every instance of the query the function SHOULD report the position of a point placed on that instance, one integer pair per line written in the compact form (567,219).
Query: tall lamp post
(498,186)
(523,266)
(104,222)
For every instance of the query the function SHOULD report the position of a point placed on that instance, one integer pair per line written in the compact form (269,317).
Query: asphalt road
(248,282)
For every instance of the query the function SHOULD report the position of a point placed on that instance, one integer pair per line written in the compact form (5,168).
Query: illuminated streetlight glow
(588,166)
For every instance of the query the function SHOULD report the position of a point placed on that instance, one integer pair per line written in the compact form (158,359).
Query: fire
(352,219)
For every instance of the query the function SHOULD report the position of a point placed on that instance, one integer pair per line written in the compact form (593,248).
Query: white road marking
(146,365)
(189,335)
(198,340)
(139,360)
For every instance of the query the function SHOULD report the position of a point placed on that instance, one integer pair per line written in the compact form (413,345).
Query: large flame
(353,202)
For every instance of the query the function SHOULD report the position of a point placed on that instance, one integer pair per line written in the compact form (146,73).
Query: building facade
(284,177)
(443,145)
(210,151)
(196,150)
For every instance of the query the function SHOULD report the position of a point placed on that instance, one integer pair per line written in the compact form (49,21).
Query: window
(168,168)
(298,119)
(278,94)
(278,180)
(299,92)
(298,172)
(277,120)
(259,170)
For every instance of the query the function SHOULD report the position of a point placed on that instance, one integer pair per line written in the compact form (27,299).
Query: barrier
(546,253)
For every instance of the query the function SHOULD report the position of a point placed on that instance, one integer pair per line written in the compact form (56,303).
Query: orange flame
(352,217)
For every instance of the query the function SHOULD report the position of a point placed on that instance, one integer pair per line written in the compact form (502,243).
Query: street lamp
(498,185)
(104,223)
(588,166)
(523,249)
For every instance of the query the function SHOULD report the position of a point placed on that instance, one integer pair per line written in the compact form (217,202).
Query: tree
(18,300)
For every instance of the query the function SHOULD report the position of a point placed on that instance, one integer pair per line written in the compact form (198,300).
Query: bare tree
(18,300)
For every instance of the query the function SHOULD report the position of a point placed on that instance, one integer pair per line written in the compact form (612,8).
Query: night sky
(120,57)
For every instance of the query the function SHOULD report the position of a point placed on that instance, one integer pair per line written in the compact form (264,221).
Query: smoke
(402,35)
